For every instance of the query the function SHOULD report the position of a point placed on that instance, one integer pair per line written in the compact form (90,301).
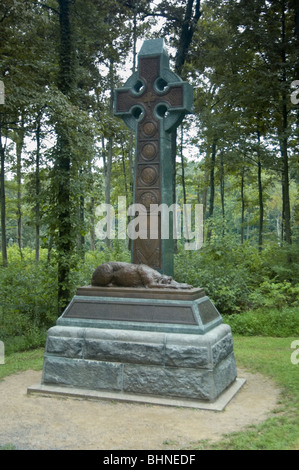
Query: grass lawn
(18,362)
(269,356)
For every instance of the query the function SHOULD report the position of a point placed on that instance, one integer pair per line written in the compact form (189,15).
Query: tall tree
(246,50)
(18,136)
(267,28)
(188,25)
(66,84)
(19,77)
(3,200)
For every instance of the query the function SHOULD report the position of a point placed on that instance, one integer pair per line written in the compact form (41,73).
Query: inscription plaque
(118,311)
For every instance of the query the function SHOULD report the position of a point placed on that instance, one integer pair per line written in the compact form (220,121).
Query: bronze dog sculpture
(119,274)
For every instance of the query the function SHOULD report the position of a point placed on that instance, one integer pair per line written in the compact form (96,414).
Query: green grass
(7,447)
(18,362)
(271,357)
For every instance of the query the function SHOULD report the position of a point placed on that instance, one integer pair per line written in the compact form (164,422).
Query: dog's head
(165,279)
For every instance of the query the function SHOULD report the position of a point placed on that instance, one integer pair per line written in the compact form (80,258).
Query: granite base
(196,367)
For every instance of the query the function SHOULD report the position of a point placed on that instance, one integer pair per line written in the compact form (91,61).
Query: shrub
(28,293)
(271,322)
(271,294)
(239,277)
(222,271)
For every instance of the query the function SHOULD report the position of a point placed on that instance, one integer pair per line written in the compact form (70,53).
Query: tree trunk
(222,187)
(242,208)
(37,189)
(188,26)
(124,171)
(131,163)
(261,205)
(108,184)
(260,190)
(296,22)
(3,203)
(81,236)
(183,168)
(286,212)
(173,151)
(19,148)
(136,8)
(131,166)
(212,186)
(184,189)
(282,211)
(64,242)
(212,178)
(187,30)
(50,246)
(108,162)
(92,225)
(296,8)
(63,163)
(284,138)
(205,192)
(278,229)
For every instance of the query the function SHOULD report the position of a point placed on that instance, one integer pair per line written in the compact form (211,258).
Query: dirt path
(33,422)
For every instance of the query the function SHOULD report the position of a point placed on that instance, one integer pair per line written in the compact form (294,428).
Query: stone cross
(153,102)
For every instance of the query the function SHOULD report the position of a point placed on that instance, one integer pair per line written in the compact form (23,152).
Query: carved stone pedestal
(143,346)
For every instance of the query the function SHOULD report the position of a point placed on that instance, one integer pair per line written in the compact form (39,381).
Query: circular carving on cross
(149,175)
(149,128)
(147,198)
(149,151)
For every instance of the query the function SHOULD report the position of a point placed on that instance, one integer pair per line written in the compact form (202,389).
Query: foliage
(237,277)
(28,293)
(28,299)
(214,269)
(276,323)
(275,295)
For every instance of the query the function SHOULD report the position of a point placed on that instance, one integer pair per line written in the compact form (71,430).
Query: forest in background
(63,152)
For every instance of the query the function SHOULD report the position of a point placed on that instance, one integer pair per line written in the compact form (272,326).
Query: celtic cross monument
(153,102)
(140,343)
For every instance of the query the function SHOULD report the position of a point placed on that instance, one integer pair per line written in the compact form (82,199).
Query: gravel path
(41,423)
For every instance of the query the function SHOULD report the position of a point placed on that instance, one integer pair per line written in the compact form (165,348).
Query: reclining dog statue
(119,274)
